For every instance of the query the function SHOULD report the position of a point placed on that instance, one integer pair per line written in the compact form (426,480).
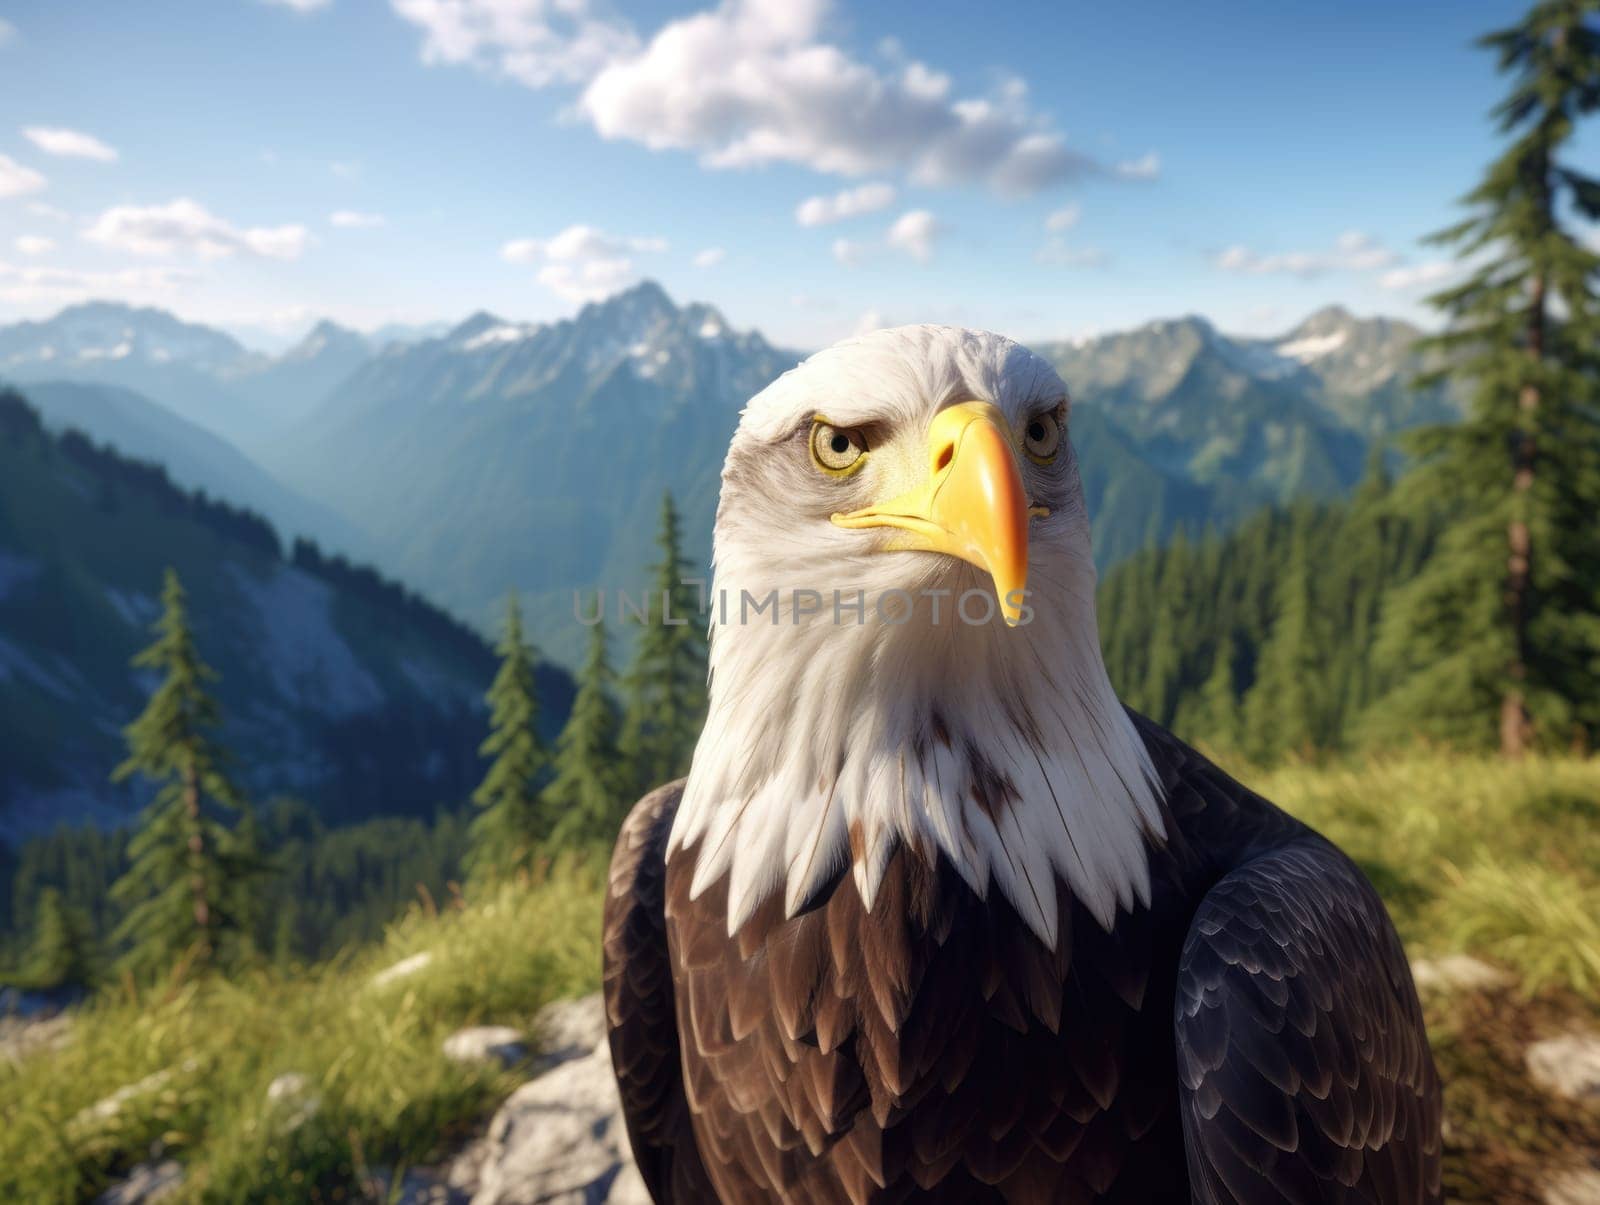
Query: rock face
(560,1138)
(487,1044)
(1457,972)
(1568,1065)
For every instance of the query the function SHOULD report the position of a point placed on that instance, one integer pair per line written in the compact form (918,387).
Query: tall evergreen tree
(666,687)
(1500,634)
(1284,709)
(590,792)
(508,827)
(186,870)
(1213,714)
(63,950)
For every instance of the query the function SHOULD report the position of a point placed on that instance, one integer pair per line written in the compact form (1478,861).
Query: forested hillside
(1266,640)
(336,686)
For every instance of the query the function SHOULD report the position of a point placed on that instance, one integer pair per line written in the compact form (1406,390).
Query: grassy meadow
(1498,860)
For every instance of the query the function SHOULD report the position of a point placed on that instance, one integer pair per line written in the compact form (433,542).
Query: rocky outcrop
(1458,973)
(1568,1065)
(558,1140)
(487,1044)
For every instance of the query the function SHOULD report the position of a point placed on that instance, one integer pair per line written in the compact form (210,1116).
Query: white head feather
(830,741)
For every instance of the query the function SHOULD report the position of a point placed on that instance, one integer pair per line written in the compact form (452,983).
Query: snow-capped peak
(1312,347)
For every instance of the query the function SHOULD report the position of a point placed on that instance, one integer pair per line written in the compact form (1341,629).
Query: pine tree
(509,827)
(1283,710)
(1501,633)
(666,694)
(590,792)
(63,952)
(1214,714)
(186,871)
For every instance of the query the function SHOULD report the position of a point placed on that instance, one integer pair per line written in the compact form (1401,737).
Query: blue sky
(1049,170)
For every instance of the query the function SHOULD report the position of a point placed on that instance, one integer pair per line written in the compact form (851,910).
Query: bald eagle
(933,917)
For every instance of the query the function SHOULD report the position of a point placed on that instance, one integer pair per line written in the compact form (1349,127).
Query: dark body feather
(1253,1035)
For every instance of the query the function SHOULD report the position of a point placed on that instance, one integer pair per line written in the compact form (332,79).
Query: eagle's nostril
(946,454)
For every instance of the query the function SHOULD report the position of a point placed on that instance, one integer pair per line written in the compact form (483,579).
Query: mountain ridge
(499,454)
(336,685)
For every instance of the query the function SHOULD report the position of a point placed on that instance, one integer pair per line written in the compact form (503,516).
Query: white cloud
(710,257)
(187,226)
(1431,272)
(1064,218)
(1145,167)
(69,144)
(24,285)
(852,202)
(1353,251)
(535,42)
(41,210)
(871,320)
(1058,253)
(577,243)
(914,233)
(850,252)
(15,179)
(350,219)
(301,6)
(583,263)
(35,244)
(750,82)
(589,279)
(345,169)
(8,32)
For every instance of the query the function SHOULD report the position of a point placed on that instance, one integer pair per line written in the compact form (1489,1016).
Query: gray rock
(20,1037)
(487,1044)
(1580,1186)
(145,1183)
(106,1109)
(1568,1065)
(1457,972)
(569,1029)
(403,969)
(419,1186)
(559,1140)
(291,1092)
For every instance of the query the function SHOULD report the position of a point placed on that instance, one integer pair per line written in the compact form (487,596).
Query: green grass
(1502,862)
(372,1054)
(1472,855)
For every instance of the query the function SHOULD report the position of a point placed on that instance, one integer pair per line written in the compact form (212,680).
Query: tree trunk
(1516,729)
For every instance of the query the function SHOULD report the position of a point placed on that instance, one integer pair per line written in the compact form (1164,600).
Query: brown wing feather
(641,1015)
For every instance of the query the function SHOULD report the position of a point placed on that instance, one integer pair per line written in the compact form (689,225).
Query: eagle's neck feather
(1005,751)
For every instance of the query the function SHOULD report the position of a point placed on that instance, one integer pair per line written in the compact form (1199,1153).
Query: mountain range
(336,686)
(499,455)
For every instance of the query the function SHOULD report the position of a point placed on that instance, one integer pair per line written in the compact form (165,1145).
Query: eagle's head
(904,647)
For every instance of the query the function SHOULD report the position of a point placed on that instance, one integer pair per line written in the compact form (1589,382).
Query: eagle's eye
(1042,437)
(837,451)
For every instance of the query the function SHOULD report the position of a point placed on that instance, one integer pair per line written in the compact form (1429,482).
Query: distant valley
(497,456)
(337,687)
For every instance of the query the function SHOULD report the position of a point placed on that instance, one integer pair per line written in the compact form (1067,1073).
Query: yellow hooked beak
(972,505)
